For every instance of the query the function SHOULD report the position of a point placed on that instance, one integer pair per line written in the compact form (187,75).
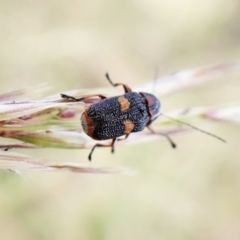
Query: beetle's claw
(112,151)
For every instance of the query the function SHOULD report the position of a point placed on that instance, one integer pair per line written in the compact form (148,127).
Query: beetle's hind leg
(73,99)
(102,145)
(173,144)
(127,89)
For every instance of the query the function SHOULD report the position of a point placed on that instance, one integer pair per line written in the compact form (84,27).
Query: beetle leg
(165,135)
(102,145)
(73,99)
(126,136)
(127,89)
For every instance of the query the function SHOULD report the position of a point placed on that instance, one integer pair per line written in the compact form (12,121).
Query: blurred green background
(188,193)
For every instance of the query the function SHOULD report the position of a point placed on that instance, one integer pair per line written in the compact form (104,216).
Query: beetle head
(153,106)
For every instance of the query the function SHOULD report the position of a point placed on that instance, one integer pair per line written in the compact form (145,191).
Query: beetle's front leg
(126,88)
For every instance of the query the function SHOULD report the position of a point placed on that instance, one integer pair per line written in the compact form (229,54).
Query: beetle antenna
(193,127)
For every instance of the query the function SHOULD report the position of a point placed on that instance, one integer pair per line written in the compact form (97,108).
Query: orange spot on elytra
(129,125)
(124,103)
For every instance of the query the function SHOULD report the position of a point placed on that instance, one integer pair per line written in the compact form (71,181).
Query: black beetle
(118,116)
(114,117)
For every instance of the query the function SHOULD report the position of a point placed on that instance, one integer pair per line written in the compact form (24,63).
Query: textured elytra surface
(110,122)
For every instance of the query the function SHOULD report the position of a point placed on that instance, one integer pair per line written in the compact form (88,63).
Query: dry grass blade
(54,122)
(26,109)
(11,95)
(19,162)
(230,114)
(187,78)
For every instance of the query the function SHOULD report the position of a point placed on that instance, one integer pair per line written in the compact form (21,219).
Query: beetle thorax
(153,106)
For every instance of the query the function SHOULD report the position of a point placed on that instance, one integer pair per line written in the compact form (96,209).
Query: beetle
(113,117)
